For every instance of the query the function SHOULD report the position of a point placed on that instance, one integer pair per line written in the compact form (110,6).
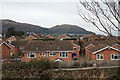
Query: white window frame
(74,48)
(99,57)
(63,53)
(118,55)
(43,54)
(52,54)
(30,53)
(11,54)
(21,48)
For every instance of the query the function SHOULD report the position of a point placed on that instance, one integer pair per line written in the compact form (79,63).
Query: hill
(22,26)
(66,28)
(58,29)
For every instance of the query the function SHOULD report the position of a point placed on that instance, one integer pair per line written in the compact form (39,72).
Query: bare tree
(105,15)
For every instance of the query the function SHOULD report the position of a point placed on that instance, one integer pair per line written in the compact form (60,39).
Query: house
(19,45)
(11,39)
(64,36)
(30,37)
(14,50)
(103,52)
(116,45)
(56,50)
(49,36)
(87,52)
(5,50)
(90,37)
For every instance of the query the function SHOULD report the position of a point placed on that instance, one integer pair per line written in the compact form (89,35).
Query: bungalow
(64,36)
(103,52)
(56,50)
(90,37)
(11,39)
(49,36)
(30,37)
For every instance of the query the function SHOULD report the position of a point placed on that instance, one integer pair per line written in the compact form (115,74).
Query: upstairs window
(99,57)
(52,54)
(63,55)
(31,55)
(115,56)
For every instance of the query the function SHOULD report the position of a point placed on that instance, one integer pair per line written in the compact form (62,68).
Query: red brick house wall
(107,54)
(14,50)
(6,51)
(47,55)
(26,59)
(70,52)
(53,58)
(88,52)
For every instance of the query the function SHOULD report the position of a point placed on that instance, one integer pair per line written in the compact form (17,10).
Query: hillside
(65,28)
(22,26)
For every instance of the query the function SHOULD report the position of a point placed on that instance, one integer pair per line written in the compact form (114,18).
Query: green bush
(41,64)
(114,74)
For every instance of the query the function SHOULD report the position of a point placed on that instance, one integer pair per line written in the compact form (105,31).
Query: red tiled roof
(56,45)
(109,41)
(63,36)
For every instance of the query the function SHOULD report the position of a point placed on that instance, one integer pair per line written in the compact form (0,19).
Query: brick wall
(107,54)
(6,51)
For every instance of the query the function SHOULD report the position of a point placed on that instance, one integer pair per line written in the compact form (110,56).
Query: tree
(11,31)
(103,14)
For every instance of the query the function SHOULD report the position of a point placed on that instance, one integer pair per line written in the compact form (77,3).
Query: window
(31,55)
(63,55)
(115,56)
(43,54)
(74,48)
(99,56)
(11,53)
(21,48)
(52,54)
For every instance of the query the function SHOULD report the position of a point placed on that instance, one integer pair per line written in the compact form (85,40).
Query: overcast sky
(45,13)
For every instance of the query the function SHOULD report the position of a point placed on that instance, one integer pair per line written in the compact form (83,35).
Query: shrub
(41,64)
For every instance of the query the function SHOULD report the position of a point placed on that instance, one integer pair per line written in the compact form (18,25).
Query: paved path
(86,68)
